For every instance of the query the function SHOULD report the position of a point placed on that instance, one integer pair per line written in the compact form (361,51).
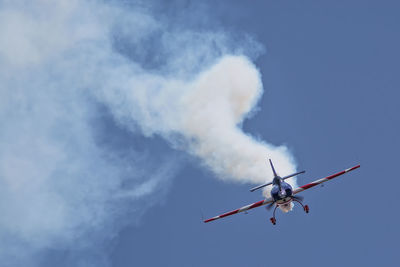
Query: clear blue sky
(330,71)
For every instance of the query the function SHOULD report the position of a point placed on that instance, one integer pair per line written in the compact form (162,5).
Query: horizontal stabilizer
(286,177)
(294,174)
(260,186)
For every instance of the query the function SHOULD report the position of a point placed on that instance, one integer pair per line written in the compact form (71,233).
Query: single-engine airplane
(282,194)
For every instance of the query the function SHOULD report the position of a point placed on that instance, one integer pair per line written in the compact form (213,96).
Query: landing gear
(273,219)
(305,207)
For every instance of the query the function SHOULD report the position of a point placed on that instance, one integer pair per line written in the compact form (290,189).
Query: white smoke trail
(206,112)
(61,63)
(64,184)
(219,101)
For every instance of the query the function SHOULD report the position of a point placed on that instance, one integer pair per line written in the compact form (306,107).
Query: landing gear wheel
(306,209)
(273,220)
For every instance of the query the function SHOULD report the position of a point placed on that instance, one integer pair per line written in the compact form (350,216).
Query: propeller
(298,198)
(269,207)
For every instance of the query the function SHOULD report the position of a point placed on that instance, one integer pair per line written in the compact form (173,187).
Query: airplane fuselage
(281,190)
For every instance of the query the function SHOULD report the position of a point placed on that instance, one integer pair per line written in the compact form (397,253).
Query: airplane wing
(322,180)
(247,207)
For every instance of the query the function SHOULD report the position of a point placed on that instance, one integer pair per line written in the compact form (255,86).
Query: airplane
(282,194)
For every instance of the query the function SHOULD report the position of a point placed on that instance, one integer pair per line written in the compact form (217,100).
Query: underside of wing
(247,207)
(322,180)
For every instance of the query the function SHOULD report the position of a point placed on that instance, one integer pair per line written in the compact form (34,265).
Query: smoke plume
(83,85)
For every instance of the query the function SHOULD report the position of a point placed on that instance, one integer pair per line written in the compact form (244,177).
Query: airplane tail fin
(263,185)
(272,167)
(275,175)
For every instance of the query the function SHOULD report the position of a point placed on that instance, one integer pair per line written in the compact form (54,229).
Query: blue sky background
(330,75)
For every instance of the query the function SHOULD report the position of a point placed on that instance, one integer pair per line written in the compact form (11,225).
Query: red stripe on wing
(326,178)
(257,204)
(229,213)
(248,207)
(222,215)
(307,186)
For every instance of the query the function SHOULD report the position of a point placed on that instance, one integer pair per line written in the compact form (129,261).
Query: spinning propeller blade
(269,207)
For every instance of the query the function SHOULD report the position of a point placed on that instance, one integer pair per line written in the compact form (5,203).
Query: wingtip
(352,168)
